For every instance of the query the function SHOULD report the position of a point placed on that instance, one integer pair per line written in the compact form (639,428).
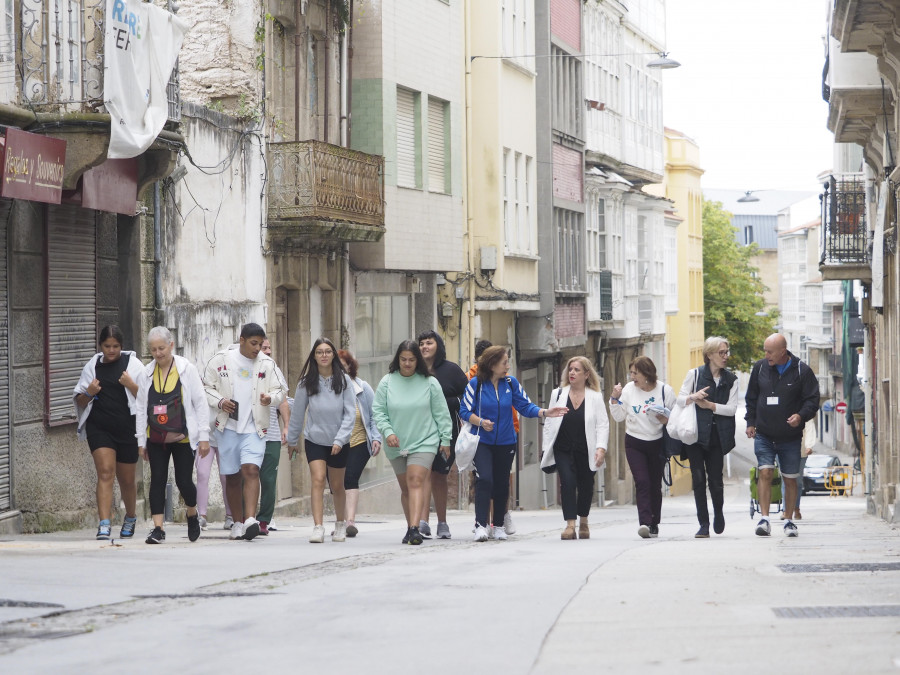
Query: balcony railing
(845,236)
(315,181)
(61,44)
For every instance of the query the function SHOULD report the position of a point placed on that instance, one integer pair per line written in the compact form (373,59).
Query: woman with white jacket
(172,421)
(105,407)
(576,442)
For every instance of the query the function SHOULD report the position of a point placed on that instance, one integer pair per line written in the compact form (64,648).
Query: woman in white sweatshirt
(644,405)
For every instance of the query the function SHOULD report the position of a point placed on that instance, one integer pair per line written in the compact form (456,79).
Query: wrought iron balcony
(61,46)
(321,191)
(845,236)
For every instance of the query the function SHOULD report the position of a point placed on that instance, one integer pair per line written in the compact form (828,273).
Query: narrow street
(614,603)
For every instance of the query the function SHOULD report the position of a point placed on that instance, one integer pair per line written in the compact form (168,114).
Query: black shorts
(125,445)
(315,452)
(441,465)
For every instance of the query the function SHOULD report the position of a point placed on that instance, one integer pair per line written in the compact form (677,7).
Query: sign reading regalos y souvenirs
(33,167)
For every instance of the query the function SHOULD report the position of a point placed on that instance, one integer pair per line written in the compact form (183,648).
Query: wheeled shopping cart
(775,495)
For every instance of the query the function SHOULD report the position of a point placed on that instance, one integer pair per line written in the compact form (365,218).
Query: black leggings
(576,483)
(706,465)
(357,458)
(183,457)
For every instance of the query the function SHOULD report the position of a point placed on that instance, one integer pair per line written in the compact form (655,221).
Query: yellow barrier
(839,480)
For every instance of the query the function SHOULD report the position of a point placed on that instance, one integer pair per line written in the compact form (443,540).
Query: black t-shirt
(571,436)
(110,410)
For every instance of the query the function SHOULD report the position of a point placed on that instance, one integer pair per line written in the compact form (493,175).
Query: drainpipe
(327,70)
(298,11)
(345,86)
(157,248)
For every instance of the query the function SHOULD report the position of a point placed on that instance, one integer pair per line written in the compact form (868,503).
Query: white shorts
(236,449)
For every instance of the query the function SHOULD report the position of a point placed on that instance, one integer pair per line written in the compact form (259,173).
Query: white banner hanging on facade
(884,193)
(141,46)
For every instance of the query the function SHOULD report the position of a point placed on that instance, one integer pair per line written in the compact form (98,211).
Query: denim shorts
(787,453)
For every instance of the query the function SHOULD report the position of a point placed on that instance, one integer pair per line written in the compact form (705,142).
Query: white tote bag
(682,424)
(467,442)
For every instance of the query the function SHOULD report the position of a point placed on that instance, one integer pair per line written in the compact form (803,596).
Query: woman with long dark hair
(488,403)
(643,405)
(411,414)
(105,406)
(325,411)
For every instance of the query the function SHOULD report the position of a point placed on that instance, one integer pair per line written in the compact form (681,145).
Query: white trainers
(318,535)
(508,524)
(229,523)
(251,528)
(480,533)
(500,533)
(237,531)
(203,524)
(340,531)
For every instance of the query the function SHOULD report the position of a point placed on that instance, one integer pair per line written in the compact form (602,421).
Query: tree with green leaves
(732,292)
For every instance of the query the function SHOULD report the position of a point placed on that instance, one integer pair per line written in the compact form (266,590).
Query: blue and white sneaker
(790,530)
(103,530)
(128,526)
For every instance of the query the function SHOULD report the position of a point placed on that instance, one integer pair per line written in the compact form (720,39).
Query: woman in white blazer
(576,442)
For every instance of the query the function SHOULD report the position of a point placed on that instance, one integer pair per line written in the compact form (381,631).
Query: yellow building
(684,329)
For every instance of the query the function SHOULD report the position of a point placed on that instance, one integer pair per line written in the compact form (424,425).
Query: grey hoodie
(326,418)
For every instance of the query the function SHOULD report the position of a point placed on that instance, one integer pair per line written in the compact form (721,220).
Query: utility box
(488,258)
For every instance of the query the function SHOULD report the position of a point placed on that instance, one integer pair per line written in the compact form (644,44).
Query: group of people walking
(240,412)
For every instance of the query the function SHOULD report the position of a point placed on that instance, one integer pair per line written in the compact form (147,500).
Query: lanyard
(166,383)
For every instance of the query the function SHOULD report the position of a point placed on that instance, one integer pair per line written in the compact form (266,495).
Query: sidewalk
(827,601)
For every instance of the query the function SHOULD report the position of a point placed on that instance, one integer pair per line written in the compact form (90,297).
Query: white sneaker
(490,531)
(251,528)
(480,533)
(500,533)
(318,535)
(203,523)
(237,531)
(229,523)
(340,531)
(508,524)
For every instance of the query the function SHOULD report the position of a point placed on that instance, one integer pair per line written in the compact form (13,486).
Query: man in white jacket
(241,384)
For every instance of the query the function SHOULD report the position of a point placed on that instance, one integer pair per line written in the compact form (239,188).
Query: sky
(749,90)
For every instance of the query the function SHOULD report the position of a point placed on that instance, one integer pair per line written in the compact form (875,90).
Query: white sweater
(632,409)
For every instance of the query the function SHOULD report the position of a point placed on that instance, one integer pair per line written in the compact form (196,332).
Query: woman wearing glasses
(713,391)
(325,411)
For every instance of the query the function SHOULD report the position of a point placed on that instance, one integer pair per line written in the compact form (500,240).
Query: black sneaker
(407,536)
(158,536)
(193,523)
(415,537)
(703,532)
(654,531)
(719,523)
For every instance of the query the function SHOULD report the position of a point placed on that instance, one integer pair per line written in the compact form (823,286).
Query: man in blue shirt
(782,396)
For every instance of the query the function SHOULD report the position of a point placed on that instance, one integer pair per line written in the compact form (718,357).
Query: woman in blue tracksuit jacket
(487,404)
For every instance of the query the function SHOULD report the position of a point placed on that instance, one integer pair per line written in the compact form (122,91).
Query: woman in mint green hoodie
(411,414)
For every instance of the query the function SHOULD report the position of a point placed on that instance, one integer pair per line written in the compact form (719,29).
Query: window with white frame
(408,139)
(596,236)
(8,51)
(568,100)
(438,164)
(518,39)
(518,199)
(569,227)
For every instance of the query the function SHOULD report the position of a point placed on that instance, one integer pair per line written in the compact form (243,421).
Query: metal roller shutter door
(72,304)
(5,459)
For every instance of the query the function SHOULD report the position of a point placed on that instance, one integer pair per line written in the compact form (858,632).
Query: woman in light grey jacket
(576,442)
(365,441)
(324,410)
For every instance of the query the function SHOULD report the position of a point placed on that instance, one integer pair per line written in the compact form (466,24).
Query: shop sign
(33,167)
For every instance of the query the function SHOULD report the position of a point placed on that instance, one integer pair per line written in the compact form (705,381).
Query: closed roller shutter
(437,158)
(72,307)
(5,471)
(406,138)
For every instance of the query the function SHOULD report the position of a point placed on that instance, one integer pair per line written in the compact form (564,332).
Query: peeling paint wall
(218,57)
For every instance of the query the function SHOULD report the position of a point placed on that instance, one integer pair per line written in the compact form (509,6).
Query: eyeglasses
(324,352)
(725,352)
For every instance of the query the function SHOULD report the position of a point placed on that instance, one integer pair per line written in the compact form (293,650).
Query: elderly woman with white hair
(712,390)
(172,422)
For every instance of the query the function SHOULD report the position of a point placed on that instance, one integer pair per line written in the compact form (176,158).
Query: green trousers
(268,477)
